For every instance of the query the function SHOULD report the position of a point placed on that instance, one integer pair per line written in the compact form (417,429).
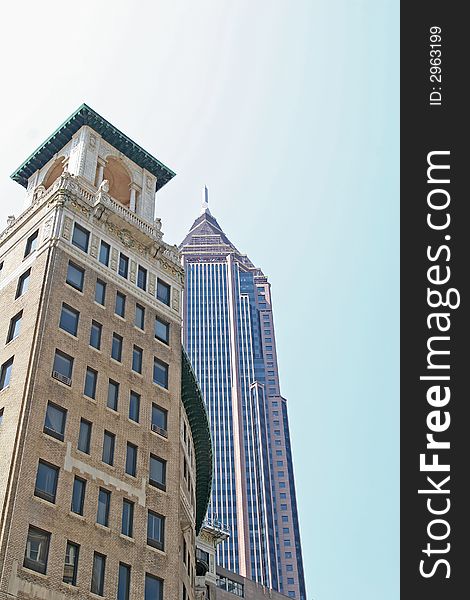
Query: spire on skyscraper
(205,200)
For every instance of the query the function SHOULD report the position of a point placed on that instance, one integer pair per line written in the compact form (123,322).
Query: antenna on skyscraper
(205,199)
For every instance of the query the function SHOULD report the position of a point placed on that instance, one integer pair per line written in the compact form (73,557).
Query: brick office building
(105,462)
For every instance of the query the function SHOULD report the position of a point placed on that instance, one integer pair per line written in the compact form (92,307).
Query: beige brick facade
(70,202)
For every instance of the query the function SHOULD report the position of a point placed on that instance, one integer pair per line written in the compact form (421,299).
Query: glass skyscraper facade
(229,336)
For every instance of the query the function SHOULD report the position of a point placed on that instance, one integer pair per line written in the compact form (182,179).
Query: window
(127,524)
(37,549)
(142,278)
(283,506)
(95,334)
(84,436)
(105,250)
(80,237)
(280,463)
(289,567)
(159,420)
(134,406)
(124,582)
(290,581)
(153,588)
(123,269)
(69,319)
(100,292)
(162,330)
(78,495)
(46,481)
(31,243)
(54,423)
(291,594)
(139,316)
(283,496)
(137,354)
(163,292)
(5,373)
(1,415)
(287,543)
(97,576)
(157,475)
(113,394)
(285,518)
(160,373)
(287,554)
(23,283)
(131,459)
(155,530)
(120,306)
(104,502)
(71,563)
(108,447)
(75,276)
(285,530)
(63,367)
(91,378)
(116,347)
(15,325)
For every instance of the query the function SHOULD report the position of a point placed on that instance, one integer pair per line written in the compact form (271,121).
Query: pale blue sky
(288,111)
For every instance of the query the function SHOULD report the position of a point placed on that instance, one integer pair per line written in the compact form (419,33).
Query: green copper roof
(196,410)
(87,116)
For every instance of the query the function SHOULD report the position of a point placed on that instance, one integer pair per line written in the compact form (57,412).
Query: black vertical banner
(435,302)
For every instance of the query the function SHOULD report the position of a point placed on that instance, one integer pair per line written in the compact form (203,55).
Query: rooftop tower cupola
(102,157)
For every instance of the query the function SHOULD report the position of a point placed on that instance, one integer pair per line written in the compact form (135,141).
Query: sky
(288,112)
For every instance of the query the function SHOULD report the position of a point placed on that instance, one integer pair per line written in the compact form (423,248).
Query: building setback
(106,460)
(229,337)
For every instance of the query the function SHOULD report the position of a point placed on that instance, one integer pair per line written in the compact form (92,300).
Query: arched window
(119,181)
(54,172)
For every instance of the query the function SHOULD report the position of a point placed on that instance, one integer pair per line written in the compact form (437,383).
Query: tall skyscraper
(105,449)
(229,336)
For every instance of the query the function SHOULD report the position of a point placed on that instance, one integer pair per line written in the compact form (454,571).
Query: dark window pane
(157,476)
(97,577)
(153,588)
(95,334)
(5,373)
(163,292)
(162,330)
(71,563)
(31,243)
(80,237)
(137,354)
(63,365)
(131,459)
(139,316)
(120,307)
(78,495)
(37,549)
(113,394)
(116,347)
(54,423)
(159,420)
(127,525)
(160,373)
(108,448)
(75,276)
(46,481)
(15,326)
(155,530)
(23,283)
(104,501)
(100,292)
(124,582)
(91,379)
(123,265)
(104,253)
(134,407)
(69,319)
(142,278)
(84,436)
